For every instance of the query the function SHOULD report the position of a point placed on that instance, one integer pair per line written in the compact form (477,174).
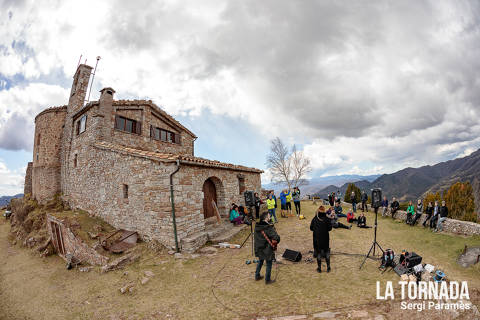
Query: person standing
(364,201)
(410,213)
(384,206)
(271,207)
(434,220)
(429,212)
(394,207)
(321,227)
(354,202)
(289,203)
(442,216)
(283,203)
(265,238)
(331,199)
(296,200)
(258,203)
(418,211)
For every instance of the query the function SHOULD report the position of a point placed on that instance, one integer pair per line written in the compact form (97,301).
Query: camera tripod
(251,220)
(375,243)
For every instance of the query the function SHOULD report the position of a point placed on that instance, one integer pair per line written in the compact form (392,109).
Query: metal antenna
(93,77)
(79,59)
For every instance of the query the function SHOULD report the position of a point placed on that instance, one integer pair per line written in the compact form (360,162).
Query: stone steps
(227,235)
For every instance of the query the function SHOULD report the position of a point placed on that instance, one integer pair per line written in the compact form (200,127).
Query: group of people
(436,214)
(363,200)
(266,236)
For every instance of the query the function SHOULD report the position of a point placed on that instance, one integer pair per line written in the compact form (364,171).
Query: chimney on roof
(106,111)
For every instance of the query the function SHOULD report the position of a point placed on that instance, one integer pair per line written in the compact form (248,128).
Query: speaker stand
(375,243)
(252,220)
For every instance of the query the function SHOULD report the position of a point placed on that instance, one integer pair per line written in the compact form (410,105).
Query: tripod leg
(376,243)
(368,254)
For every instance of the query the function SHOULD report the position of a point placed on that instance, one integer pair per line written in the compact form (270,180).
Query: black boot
(328,264)
(319,264)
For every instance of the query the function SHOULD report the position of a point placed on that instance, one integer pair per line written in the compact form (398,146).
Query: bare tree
(300,167)
(279,162)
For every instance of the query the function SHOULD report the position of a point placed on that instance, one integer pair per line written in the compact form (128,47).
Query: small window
(128,125)
(37,156)
(125,191)
(75,160)
(241,184)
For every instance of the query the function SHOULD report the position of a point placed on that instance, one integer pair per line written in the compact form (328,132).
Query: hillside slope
(412,183)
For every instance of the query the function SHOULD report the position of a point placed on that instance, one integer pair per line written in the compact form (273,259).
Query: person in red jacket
(351,217)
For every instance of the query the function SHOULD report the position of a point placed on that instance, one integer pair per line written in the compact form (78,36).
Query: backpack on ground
(387,259)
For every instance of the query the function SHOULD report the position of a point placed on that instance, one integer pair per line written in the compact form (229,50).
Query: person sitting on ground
(384,206)
(418,211)
(442,216)
(339,210)
(436,211)
(296,200)
(362,221)
(265,236)
(321,226)
(235,216)
(410,213)
(429,212)
(394,207)
(334,220)
(351,217)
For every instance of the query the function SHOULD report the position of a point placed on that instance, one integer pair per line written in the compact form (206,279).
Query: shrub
(460,201)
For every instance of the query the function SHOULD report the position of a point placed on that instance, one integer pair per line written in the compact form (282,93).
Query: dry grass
(35,288)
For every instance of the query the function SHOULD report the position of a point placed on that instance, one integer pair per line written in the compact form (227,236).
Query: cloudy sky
(363,87)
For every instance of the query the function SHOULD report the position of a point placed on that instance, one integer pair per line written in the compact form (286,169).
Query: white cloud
(364,86)
(11,182)
(18,108)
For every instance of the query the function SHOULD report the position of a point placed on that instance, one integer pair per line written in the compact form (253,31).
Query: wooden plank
(215,208)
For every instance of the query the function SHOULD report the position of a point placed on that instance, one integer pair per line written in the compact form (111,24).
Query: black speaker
(290,255)
(413,259)
(376,197)
(249,198)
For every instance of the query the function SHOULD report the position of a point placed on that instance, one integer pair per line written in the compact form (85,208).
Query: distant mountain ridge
(5,200)
(315,184)
(413,183)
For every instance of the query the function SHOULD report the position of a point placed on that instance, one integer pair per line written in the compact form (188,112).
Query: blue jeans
(272,213)
(354,206)
(440,223)
(268,272)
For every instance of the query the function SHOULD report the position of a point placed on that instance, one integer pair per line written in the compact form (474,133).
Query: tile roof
(170,157)
(51,109)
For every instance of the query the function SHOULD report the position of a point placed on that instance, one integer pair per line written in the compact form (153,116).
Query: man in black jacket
(265,236)
(320,226)
(443,214)
(364,201)
(394,207)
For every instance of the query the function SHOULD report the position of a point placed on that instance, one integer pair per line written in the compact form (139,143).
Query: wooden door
(209,194)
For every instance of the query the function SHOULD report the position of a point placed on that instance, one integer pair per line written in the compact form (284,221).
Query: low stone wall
(449,225)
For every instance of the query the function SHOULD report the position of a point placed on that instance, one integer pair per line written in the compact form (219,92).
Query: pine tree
(352,187)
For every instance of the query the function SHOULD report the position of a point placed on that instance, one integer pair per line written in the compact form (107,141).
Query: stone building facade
(116,158)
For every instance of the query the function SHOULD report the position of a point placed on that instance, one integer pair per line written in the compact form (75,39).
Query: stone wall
(73,244)
(449,225)
(99,181)
(46,166)
(27,189)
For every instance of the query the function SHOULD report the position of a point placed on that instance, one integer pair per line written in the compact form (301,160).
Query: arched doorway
(209,194)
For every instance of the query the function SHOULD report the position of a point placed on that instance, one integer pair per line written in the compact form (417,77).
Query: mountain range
(315,184)
(413,183)
(5,200)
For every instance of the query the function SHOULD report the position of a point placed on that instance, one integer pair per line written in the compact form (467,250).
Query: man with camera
(266,240)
